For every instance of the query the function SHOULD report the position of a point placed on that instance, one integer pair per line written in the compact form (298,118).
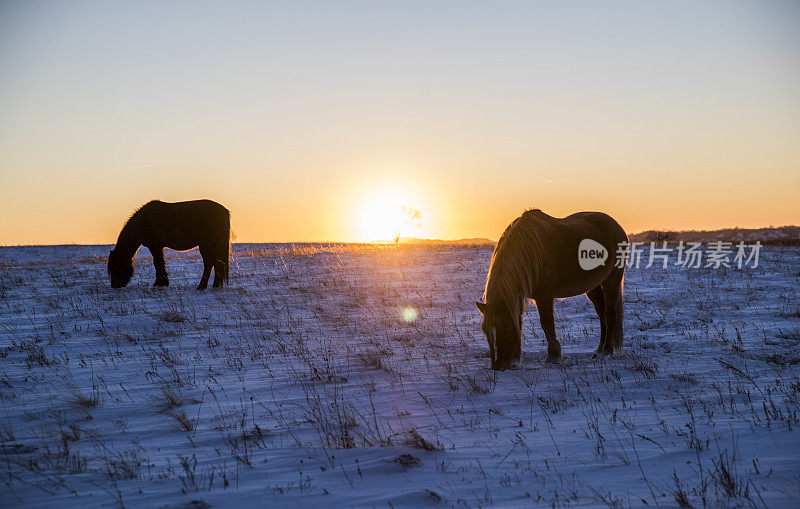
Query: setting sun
(386,215)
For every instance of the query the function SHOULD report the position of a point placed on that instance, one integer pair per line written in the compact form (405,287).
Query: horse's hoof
(553,359)
(202,287)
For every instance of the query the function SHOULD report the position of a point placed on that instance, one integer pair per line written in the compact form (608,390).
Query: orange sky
(674,116)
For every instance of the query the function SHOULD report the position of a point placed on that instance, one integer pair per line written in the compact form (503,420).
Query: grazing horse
(180,226)
(539,257)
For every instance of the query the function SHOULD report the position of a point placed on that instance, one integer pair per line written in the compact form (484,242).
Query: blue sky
(664,114)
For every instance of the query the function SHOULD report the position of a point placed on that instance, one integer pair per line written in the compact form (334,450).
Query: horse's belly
(573,291)
(182,246)
(576,286)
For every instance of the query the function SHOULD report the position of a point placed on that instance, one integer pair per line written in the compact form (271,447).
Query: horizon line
(389,241)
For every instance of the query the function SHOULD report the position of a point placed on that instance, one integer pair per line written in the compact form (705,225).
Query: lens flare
(409,314)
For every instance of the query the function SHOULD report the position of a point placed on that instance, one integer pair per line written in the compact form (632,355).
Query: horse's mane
(518,261)
(131,222)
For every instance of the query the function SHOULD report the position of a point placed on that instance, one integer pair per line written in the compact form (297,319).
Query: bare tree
(410,214)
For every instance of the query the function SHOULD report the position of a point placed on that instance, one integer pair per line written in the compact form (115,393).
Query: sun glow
(386,215)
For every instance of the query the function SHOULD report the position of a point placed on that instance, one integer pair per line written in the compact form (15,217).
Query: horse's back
(600,222)
(596,225)
(567,235)
(191,206)
(194,210)
(184,225)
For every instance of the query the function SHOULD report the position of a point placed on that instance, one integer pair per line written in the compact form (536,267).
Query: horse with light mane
(180,226)
(538,257)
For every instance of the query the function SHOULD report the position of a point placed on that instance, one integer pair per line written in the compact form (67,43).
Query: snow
(302,383)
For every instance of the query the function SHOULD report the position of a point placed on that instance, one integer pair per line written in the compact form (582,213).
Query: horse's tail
(224,247)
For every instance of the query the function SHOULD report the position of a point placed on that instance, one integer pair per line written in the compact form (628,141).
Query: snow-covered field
(302,383)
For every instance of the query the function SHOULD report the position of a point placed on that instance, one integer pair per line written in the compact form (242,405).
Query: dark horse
(537,258)
(180,226)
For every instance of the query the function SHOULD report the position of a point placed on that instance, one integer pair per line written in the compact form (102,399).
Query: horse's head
(120,269)
(502,326)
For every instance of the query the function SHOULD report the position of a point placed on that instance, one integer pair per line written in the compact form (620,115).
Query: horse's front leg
(161,268)
(545,307)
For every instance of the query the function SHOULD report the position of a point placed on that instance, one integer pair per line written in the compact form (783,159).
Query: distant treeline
(770,236)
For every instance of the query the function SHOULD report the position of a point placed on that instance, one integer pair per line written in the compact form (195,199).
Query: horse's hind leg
(612,294)
(219,273)
(208,263)
(545,307)
(220,269)
(596,296)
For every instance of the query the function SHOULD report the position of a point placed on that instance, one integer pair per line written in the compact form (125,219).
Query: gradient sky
(296,114)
